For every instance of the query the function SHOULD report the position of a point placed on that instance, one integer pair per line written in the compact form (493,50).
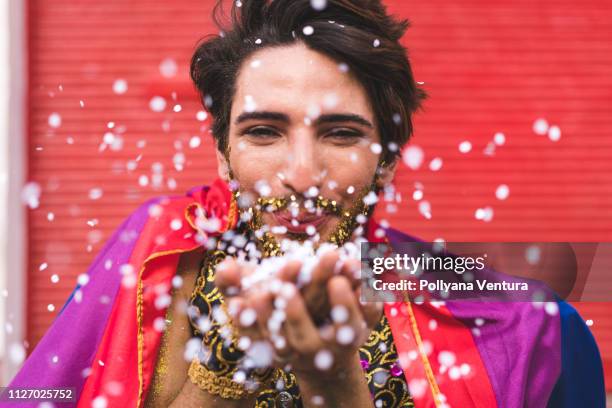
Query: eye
(261,132)
(344,134)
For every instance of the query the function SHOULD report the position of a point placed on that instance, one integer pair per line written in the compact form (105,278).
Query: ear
(386,174)
(223,168)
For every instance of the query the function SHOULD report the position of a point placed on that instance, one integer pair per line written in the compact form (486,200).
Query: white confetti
(249,104)
(446,358)
(339,314)
(17,353)
(376,43)
(179,161)
(195,142)
(308,30)
(108,138)
(425,209)
(454,373)
(83,279)
(435,164)
(551,308)
(99,402)
(177,281)
(120,86)
(532,254)
(95,193)
(248,317)
(484,214)
(376,148)
(318,4)
(168,68)
(418,387)
(465,146)
(371,198)
(260,353)
(345,335)
(330,100)
(499,139)
(540,127)
(201,116)
(55,120)
(30,195)
(502,192)
(162,301)
(157,104)
(55,278)
(323,360)
(51,307)
(413,157)
(176,224)
(313,191)
(554,133)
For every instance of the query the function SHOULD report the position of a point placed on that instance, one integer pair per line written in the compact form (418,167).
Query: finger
(350,331)
(300,331)
(371,310)
(244,332)
(244,318)
(227,277)
(315,293)
(262,304)
(351,269)
(290,271)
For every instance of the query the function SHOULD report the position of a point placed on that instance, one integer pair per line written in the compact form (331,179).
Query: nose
(303,164)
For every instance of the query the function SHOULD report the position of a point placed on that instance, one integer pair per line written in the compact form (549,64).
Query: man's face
(301,125)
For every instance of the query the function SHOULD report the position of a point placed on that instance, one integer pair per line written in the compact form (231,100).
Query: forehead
(296,79)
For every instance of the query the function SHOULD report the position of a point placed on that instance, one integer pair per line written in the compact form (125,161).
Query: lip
(303,222)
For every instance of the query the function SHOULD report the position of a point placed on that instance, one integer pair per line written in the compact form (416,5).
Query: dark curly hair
(358,33)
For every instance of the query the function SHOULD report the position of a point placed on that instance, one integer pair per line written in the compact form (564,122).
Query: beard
(350,219)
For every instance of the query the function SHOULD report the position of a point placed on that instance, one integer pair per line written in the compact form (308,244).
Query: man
(312,102)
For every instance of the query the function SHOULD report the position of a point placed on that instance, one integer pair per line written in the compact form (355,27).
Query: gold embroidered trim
(215,385)
(140,314)
(231,217)
(435,390)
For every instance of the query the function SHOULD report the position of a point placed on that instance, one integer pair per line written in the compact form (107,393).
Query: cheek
(251,164)
(352,167)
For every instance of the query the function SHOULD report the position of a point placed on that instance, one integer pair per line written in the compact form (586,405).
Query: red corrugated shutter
(488,67)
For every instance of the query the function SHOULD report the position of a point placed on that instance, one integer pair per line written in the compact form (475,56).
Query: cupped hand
(316,328)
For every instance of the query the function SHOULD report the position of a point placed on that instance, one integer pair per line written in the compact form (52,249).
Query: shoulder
(581,382)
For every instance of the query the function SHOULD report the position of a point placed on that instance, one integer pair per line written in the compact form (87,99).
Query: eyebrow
(265,115)
(326,118)
(343,117)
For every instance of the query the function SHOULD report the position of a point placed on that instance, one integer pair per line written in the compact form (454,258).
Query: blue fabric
(581,383)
